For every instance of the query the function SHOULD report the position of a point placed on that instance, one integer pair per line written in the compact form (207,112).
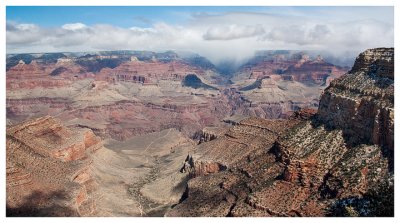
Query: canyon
(124,94)
(138,133)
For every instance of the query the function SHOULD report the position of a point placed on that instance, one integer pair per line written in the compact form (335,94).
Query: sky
(218,33)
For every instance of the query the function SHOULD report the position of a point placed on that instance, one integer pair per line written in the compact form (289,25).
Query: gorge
(139,133)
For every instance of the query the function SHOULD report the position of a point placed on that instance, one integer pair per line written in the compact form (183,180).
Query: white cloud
(234,35)
(20,35)
(74,26)
(141,30)
(233,31)
(26,27)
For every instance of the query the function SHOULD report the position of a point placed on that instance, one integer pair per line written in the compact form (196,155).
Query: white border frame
(4,3)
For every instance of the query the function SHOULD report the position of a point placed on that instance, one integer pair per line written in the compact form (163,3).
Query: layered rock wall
(48,169)
(361,102)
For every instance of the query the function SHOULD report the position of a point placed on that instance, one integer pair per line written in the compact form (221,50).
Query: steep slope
(48,169)
(336,163)
(362,104)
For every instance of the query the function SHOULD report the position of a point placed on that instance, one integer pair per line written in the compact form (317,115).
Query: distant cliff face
(275,84)
(297,66)
(121,94)
(116,94)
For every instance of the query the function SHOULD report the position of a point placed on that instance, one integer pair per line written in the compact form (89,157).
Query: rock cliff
(361,103)
(48,169)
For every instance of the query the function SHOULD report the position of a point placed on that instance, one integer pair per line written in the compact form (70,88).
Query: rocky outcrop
(215,191)
(378,61)
(211,133)
(47,137)
(201,168)
(48,169)
(361,102)
(304,114)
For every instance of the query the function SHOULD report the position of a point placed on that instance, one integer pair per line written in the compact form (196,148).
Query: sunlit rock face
(48,169)
(361,102)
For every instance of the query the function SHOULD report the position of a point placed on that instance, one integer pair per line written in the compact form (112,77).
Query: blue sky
(214,32)
(122,16)
(128,16)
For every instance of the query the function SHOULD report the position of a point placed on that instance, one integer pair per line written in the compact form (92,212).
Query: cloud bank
(230,35)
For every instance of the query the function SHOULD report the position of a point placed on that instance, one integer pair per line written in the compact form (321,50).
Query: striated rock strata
(48,169)
(361,103)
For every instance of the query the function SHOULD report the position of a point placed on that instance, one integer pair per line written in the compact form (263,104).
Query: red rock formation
(47,169)
(33,75)
(147,72)
(55,141)
(234,144)
(124,116)
(298,68)
(211,133)
(26,70)
(316,71)
(283,86)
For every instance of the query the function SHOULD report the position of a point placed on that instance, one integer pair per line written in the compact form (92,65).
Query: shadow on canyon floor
(37,205)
